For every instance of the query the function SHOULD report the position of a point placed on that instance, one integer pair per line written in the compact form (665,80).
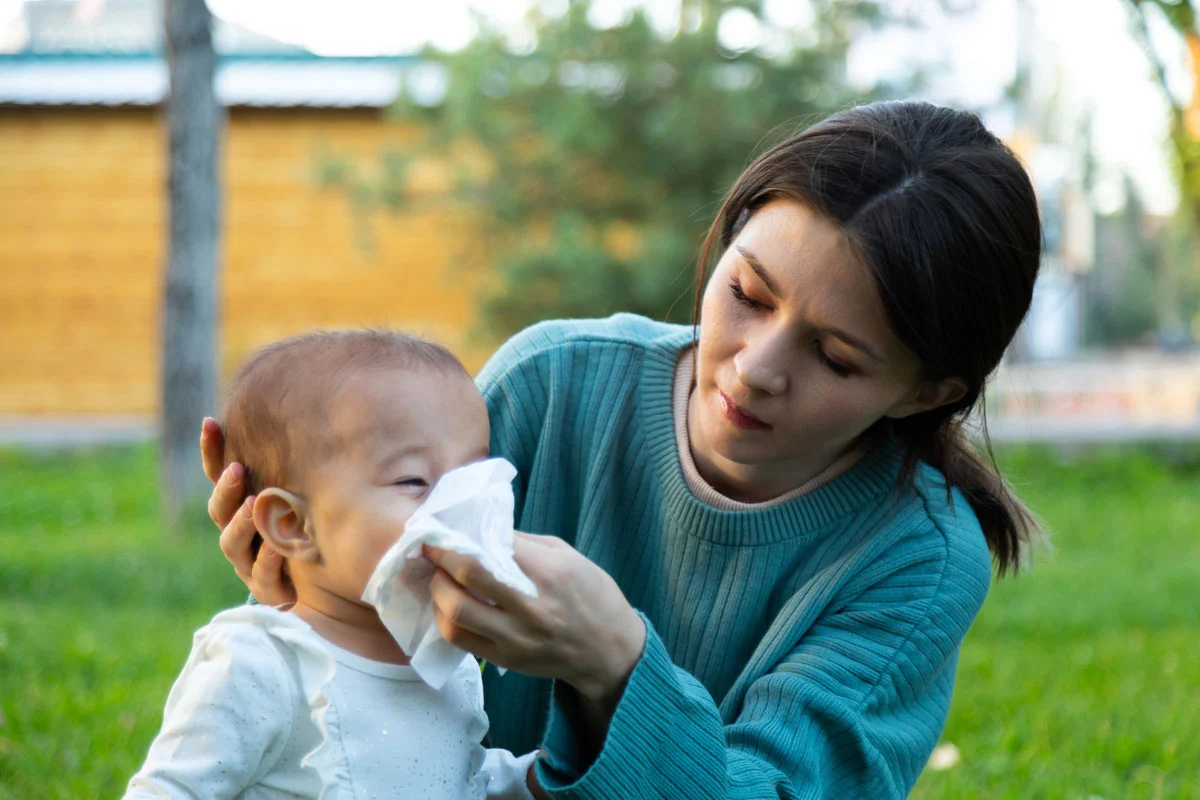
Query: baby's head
(342,435)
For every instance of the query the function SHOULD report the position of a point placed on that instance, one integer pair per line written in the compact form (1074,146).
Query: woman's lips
(739,417)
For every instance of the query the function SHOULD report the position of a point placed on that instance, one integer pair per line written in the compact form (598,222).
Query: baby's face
(398,430)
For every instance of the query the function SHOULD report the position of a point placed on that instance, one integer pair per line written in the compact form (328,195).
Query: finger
(524,542)
(267,581)
(529,549)
(237,540)
(537,538)
(212,448)
(467,571)
(464,638)
(227,495)
(466,614)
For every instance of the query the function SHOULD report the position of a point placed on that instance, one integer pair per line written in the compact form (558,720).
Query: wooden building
(83,220)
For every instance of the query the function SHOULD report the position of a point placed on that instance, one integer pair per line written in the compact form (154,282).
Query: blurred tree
(593,158)
(1185,120)
(1178,274)
(189,304)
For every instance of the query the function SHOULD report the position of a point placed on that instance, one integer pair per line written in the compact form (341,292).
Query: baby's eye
(416,483)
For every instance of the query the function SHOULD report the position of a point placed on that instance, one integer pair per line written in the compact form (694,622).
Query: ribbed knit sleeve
(853,711)
(538,379)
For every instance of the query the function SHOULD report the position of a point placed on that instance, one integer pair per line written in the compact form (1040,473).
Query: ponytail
(1008,524)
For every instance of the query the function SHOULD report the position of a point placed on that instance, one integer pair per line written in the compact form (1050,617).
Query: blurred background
(181,182)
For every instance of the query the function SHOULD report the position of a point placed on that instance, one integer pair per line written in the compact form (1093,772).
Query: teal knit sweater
(802,650)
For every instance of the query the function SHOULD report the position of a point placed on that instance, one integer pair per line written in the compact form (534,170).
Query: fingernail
(209,425)
(238,471)
(249,502)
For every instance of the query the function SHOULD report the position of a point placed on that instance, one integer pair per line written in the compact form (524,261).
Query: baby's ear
(279,516)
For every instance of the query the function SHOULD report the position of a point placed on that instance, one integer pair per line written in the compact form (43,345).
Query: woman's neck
(757,484)
(350,625)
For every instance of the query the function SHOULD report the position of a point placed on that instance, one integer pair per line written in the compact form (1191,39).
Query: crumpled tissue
(470,511)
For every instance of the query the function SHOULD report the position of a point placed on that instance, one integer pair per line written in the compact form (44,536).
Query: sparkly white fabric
(265,709)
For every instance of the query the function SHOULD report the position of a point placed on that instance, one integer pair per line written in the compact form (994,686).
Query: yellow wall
(82,222)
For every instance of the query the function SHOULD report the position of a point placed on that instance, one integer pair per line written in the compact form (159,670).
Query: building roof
(99,27)
(29,79)
(70,53)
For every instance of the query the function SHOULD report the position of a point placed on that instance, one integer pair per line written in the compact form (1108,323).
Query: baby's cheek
(384,533)
(381,528)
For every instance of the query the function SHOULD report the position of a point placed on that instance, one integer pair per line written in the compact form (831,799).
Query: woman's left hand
(579,629)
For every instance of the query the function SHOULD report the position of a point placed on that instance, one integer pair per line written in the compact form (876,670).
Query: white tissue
(470,511)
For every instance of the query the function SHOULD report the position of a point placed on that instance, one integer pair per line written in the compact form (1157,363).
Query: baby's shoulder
(250,640)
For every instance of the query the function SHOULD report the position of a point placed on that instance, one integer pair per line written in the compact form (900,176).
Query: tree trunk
(189,314)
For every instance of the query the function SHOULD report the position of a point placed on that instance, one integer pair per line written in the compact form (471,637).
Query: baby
(342,435)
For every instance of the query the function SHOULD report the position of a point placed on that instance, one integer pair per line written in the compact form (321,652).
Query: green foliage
(606,152)
(1077,680)
(1180,13)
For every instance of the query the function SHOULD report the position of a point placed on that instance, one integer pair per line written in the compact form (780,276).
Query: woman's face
(796,357)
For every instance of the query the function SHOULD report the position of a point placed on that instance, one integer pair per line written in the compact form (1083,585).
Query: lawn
(1080,679)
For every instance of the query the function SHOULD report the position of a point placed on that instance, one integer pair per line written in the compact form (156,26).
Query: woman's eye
(839,369)
(740,296)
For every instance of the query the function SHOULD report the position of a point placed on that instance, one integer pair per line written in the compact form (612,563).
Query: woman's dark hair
(945,218)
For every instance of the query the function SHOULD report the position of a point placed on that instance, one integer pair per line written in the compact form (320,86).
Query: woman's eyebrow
(758,268)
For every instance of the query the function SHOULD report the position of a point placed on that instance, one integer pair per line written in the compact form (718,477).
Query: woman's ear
(280,517)
(928,396)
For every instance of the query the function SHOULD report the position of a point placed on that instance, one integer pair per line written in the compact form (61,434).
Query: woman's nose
(760,365)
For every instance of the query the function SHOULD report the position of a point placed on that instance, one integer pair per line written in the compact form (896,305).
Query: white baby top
(265,708)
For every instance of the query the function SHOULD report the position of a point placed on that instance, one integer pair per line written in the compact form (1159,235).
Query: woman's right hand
(234,514)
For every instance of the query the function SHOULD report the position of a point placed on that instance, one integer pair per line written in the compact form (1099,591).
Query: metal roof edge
(33,57)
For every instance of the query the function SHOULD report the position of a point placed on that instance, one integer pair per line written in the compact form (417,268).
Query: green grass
(1080,679)
(97,610)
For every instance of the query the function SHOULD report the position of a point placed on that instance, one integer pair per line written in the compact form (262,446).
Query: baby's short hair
(275,415)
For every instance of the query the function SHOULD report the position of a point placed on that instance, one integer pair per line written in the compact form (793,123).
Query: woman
(773,538)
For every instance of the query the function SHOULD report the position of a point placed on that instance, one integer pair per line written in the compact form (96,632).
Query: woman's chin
(739,448)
